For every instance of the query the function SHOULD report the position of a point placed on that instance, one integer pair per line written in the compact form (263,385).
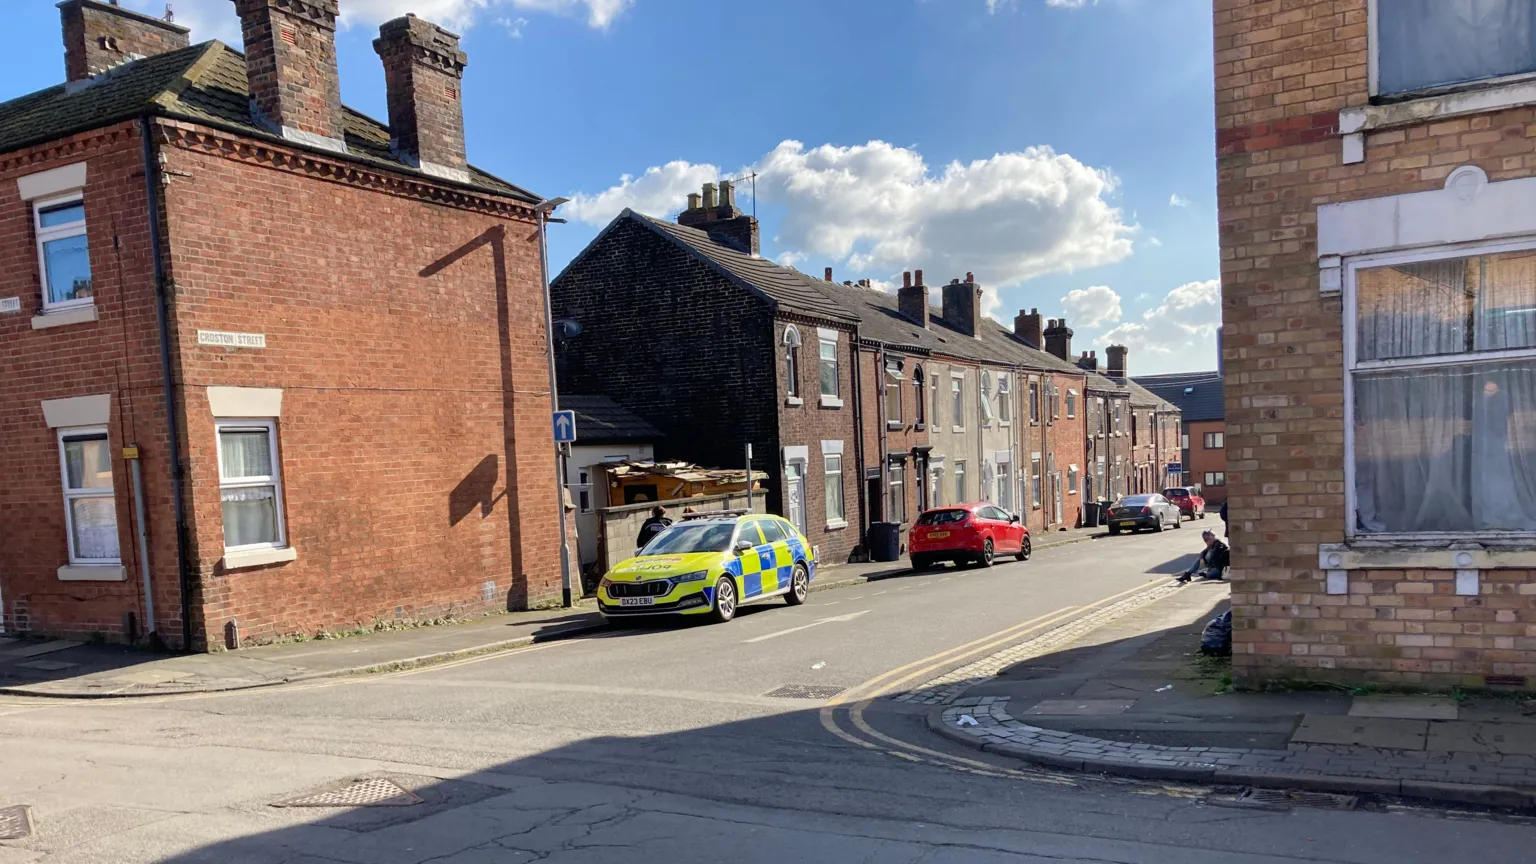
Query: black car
(1135,512)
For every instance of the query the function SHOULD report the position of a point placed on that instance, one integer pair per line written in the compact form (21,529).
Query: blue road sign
(565,427)
(1175,467)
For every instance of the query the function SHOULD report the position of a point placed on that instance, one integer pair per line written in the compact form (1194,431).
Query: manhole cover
(363,792)
(804,691)
(1282,799)
(15,822)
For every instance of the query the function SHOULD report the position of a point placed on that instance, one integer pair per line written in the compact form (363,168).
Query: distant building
(607,432)
(1203,438)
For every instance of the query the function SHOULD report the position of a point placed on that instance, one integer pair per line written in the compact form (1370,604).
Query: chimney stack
(962,307)
(422,70)
(828,276)
(290,67)
(1026,326)
(98,36)
(1089,361)
(912,300)
(721,219)
(1058,340)
(1115,362)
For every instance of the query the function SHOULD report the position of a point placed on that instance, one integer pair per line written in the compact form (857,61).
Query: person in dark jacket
(1226,530)
(653,526)
(1211,562)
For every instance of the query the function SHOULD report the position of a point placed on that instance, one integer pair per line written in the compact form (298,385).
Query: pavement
(72,670)
(779,736)
(1135,698)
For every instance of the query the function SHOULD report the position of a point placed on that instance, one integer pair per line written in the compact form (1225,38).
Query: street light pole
(544,209)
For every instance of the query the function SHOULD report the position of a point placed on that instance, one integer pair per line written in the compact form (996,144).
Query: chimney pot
(719,217)
(290,68)
(828,277)
(710,202)
(422,69)
(906,279)
(917,276)
(955,281)
(693,200)
(98,36)
(969,276)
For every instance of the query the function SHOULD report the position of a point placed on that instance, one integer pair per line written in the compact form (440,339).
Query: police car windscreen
(691,537)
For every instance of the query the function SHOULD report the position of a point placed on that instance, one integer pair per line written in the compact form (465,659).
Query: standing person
(1226,530)
(1211,562)
(653,526)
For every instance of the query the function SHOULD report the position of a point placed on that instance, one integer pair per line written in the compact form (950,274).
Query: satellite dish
(567,328)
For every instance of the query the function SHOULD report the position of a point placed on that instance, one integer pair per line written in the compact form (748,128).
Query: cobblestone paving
(1467,777)
(945,688)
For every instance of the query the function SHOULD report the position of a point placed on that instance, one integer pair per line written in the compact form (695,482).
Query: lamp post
(544,208)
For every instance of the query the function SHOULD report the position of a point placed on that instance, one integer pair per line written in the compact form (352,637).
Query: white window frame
(1036,480)
(1353,365)
(72,495)
(896,487)
(833,450)
(833,399)
(1184,441)
(1004,399)
(1214,441)
(792,362)
(1215,478)
(892,385)
(1373,70)
(920,404)
(584,487)
(275,481)
(957,389)
(984,398)
(960,479)
(1034,401)
(59,232)
(1071,404)
(1072,480)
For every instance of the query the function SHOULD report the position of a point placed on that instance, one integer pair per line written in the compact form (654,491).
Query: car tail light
(1146,511)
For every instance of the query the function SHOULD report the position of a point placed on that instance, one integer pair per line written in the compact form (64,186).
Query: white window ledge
(833,526)
(1387,555)
(64,317)
(831,402)
(93,573)
(1429,108)
(893,424)
(793,400)
(258,557)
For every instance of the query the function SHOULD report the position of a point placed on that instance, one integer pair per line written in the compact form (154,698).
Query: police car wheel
(799,586)
(725,600)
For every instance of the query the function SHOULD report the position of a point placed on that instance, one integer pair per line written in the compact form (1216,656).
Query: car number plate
(1127,524)
(637,601)
(937,535)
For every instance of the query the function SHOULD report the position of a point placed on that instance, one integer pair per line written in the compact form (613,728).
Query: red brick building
(1377,183)
(263,343)
(1203,439)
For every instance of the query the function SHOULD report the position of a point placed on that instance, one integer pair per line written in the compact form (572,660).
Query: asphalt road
(663,744)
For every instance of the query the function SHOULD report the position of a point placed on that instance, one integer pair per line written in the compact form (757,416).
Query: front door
(1056,482)
(794,494)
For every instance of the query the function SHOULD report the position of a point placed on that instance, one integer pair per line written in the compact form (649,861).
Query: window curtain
(245,454)
(1428,43)
(1413,310)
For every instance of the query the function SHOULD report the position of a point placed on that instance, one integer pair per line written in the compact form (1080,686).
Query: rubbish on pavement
(818,664)
(1217,638)
(966,720)
(1163,688)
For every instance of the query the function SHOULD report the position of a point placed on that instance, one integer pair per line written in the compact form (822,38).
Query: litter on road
(966,720)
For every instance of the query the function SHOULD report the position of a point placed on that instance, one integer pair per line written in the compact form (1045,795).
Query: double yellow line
(858,698)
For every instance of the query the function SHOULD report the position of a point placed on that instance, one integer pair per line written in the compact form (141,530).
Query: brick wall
(1283,72)
(1064,438)
(408,340)
(117,355)
(807,425)
(1203,461)
(899,440)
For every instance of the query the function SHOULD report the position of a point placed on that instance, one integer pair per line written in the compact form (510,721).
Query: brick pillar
(290,67)
(423,67)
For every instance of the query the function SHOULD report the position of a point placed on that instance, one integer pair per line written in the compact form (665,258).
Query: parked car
(1136,512)
(967,533)
(1188,500)
(711,564)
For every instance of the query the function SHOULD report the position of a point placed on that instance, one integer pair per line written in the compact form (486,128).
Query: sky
(1061,150)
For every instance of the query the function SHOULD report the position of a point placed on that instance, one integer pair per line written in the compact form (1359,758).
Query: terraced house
(1377,182)
(239,322)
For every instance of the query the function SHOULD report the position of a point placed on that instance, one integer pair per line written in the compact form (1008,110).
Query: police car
(711,564)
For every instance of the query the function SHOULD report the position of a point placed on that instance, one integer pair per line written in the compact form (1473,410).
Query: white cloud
(216,19)
(1153,241)
(659,191)
(1177,200)
(1007,218)
(1092,307)
(1068,4)
(513,26)
(1183,323)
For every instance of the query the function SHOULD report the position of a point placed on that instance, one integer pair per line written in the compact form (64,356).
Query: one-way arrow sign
(565,427)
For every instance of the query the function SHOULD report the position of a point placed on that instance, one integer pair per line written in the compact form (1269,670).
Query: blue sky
(1060,149)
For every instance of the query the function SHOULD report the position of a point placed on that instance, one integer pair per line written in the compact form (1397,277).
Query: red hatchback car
(1189,501)
(966,533)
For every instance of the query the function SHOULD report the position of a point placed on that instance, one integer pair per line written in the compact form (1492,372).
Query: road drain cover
(363,792)
(804,691)
(1279,799)
(15,822)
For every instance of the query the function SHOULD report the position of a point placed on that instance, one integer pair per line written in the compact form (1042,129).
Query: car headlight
(698,576)
(604,583)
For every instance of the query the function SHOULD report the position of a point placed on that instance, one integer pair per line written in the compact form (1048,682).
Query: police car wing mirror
(743,547)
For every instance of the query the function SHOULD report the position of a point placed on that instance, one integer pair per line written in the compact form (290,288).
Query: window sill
(957,429)
(831,402)
(893,424)
(64,317)
(920,427)
(836,526)
(258,557)
(1410,554)
(793,400)
(93,573)
(1005,423)
(1428,109)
